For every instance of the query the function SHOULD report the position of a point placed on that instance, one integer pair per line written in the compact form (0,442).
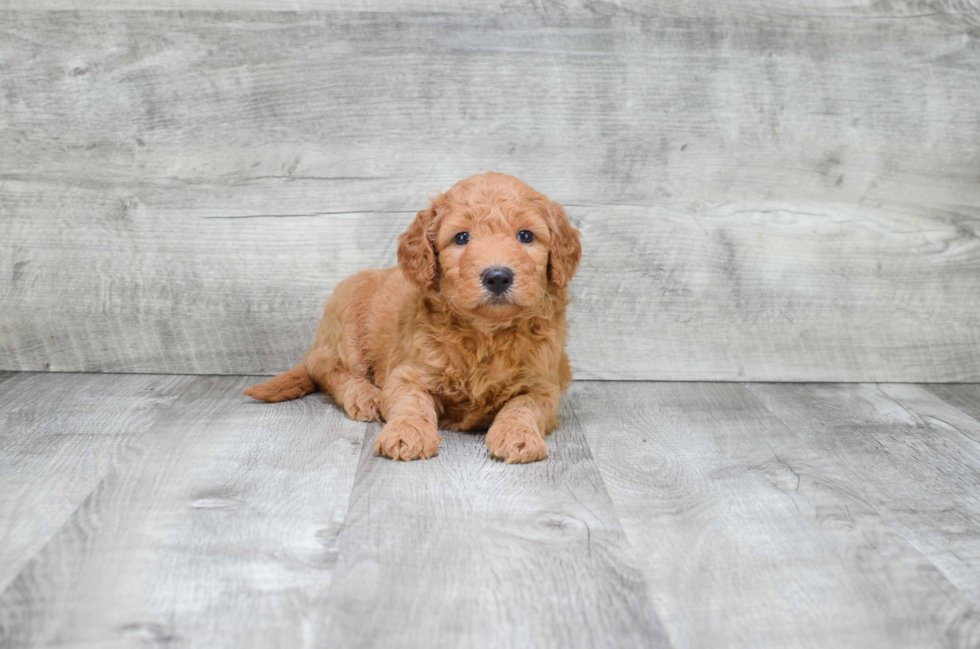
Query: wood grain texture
(218,530)
(940,448)
(755,515)
(790,196)
(916,461)
(902,9)
(60,435)
(761,530)
(964,397)
(465,551)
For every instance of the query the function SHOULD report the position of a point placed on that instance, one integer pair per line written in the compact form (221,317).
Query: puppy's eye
(462,238)
(525,236)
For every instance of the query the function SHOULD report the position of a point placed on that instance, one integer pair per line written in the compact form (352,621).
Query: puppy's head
(491,246)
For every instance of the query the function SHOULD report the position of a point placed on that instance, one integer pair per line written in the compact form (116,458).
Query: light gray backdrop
(768,189)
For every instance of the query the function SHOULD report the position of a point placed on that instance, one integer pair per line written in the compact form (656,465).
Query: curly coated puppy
(467,332)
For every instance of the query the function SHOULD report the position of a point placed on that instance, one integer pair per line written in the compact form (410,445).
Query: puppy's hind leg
(359,398)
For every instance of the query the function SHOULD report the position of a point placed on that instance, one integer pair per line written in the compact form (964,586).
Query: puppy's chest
(473,390)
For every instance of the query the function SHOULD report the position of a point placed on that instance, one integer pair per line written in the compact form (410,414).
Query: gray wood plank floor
(60,434)
(169,510)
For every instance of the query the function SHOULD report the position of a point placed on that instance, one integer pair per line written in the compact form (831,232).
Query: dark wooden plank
(765,197)
(218,530)
(60,434)
(760,532)
(465,551)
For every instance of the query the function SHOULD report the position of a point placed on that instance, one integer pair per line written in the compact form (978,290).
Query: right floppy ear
(566,246)
(416,249)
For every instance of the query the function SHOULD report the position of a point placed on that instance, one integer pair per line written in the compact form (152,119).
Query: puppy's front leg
(411,431)
(518,430)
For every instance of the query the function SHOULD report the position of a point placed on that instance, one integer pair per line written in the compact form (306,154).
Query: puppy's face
(491,246)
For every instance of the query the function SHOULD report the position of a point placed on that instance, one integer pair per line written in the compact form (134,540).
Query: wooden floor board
(465,551)
(218,530)
(966,397)
(59,436)
(913,471)
(754,535)
(159,510)
(940,505)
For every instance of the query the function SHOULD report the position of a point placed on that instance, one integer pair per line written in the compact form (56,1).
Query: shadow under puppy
(467,332)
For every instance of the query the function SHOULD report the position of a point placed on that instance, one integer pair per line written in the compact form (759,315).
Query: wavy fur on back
(425,345)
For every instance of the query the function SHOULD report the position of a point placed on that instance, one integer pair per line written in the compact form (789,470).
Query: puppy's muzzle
(497,279)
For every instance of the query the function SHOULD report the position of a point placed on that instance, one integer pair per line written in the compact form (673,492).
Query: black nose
(497,279)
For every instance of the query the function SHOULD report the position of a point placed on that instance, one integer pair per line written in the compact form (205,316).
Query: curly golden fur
(430,344)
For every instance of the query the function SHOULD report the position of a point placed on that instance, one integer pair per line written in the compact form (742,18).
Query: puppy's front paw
(404,439)
(516,443)
(362,401)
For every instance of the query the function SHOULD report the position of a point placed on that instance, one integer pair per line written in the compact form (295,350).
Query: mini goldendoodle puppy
(467,332)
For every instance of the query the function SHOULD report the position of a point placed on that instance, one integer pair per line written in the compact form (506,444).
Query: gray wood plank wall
(767,190)
(687,8)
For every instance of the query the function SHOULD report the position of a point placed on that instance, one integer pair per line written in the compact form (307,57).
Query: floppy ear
(566,249)
(416,250)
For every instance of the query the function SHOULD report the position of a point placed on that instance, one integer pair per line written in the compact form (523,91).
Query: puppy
(466,333)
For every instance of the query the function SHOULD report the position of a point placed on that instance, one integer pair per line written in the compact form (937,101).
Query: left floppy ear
(566,248)
(416,249)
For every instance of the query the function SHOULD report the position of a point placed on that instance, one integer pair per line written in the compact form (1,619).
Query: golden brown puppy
(467,332)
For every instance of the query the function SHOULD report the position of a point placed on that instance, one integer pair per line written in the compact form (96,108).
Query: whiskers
(496,300)
(524,298)
(551,298)
(542,293)
(451,300)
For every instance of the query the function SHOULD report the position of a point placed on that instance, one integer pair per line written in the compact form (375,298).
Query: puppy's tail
(291,384)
